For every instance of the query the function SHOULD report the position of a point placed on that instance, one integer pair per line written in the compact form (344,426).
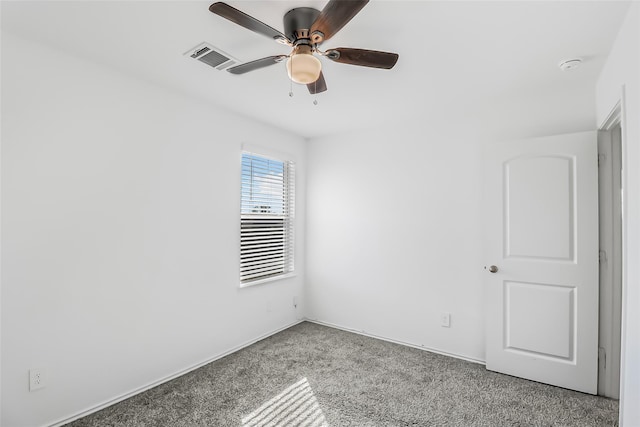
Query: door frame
(610,235)
(608,122)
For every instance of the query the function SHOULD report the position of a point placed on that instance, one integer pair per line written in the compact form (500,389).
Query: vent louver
(212,56)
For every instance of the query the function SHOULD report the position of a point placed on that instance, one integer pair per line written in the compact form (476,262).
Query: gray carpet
(311,375)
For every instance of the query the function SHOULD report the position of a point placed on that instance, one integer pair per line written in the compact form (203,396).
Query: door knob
(493,269)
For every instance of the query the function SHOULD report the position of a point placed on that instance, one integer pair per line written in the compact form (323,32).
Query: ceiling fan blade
(318,86)
(257,64)
(334,16)
(363,57)
(246,21)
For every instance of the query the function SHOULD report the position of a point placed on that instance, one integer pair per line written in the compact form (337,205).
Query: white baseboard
(419,347)
(156,383)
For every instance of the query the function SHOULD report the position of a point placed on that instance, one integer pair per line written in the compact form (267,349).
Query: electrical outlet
(36,379)
(445,319)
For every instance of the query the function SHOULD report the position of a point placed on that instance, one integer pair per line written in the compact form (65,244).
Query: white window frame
(278,263)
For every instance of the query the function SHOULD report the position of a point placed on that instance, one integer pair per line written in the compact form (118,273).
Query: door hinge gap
(601,159)
(602,256)
(602,356)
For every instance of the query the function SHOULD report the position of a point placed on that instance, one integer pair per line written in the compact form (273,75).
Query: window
(266,218)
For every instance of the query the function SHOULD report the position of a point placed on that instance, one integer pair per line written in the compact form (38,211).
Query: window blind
(266,218)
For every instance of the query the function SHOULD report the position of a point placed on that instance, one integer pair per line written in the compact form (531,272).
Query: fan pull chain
(291,81)
(315,92)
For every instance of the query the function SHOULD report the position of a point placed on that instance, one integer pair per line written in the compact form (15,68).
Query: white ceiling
(470,56)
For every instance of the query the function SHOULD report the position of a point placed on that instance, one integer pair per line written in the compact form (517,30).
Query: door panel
(542,234)
(534,229)
(539,319)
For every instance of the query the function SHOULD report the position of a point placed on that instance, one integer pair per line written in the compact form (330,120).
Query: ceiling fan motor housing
(298,21)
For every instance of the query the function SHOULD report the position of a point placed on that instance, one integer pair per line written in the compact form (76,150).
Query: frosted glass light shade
(303,68)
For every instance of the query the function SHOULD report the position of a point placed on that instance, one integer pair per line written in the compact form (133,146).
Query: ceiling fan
(305,28)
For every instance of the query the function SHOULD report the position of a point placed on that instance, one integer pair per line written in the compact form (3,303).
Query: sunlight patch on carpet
(295,406)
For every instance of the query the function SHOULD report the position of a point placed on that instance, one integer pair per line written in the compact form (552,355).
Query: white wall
(623,69)
(120,230)
(394,234)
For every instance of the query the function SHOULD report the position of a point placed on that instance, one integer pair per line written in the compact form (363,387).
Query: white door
(542,236)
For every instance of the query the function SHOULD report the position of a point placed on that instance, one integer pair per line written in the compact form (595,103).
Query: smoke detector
(570,64)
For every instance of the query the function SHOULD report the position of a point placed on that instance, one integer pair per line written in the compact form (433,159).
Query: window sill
(267,280)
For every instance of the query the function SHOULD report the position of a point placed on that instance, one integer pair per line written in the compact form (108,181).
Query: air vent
(211,56)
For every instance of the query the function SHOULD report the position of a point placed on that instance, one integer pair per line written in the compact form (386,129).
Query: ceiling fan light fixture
(303,68)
